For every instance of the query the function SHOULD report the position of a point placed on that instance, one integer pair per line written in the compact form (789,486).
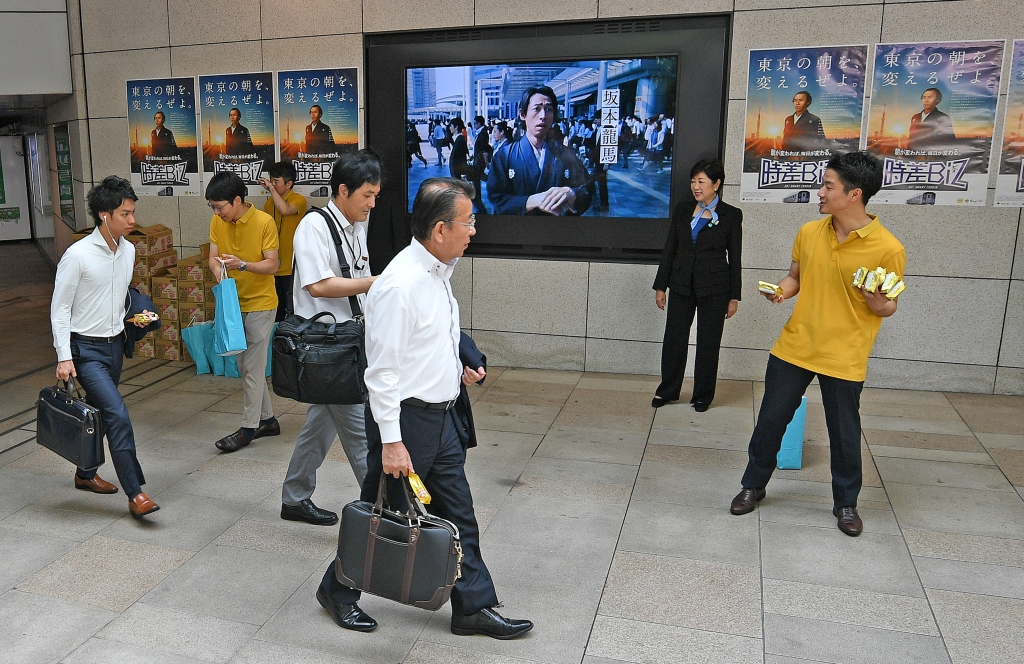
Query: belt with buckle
(97,340)
(419,403)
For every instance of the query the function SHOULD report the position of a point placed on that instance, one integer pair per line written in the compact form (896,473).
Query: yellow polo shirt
(832,329)
(248,238)
(286,226)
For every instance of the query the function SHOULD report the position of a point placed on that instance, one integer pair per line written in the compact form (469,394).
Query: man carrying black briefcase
(87,316)
(413,380)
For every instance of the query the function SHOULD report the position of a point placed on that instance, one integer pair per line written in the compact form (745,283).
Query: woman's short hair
(712,168)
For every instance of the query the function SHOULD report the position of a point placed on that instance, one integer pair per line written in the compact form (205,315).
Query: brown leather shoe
(96,485)
(271,428)
(746,500)
(848,520)
(141,505)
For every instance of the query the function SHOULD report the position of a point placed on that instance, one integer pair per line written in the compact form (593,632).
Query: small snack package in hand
(419,489)
(859,276)
(768,288)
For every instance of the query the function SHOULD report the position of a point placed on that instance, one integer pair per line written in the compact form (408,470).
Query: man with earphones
(87,316)
(319,286)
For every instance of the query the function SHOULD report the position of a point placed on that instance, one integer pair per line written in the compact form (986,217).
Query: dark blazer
(237,142)
(474,359)
(162,144)
(712,265)
(135,303)
(936,130)
(806,134)
(481,147)
(320,139)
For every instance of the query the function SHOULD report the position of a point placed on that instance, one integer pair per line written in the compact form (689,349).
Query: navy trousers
(439,459)
(98,365)
(784,384)
(710,311)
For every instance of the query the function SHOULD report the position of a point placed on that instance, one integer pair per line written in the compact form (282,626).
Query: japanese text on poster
(162,137)
(237,112)
(933,109)
(319,119)
(804,105)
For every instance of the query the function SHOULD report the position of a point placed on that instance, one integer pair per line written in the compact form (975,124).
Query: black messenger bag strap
(332,225)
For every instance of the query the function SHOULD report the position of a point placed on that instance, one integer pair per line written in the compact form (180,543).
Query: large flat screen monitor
(615,112)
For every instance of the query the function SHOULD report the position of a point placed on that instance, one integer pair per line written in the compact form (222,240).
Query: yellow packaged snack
(419,489)
(896,290)
(859,276)
(768,288)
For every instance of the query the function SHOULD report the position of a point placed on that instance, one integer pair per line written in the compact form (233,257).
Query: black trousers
(439,459)
(710,311)
(784,384)
(283,286)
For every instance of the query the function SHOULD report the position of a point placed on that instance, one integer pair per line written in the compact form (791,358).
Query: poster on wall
(804,105)
(237,112)
(319,120)
(1010,179)
(933,111)
(162,137)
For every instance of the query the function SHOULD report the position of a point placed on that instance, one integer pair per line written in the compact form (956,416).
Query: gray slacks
(323,423)
(252,365)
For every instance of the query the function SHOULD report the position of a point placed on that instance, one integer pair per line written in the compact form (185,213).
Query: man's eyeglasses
(471,223)
(217,208)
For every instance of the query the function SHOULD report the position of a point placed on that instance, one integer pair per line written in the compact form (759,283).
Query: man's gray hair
(435,201)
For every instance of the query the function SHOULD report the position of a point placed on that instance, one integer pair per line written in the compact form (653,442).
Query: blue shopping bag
(791,454)
(228,331)
(195,337)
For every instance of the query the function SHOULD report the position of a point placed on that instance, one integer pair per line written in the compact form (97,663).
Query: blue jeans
(784,384)
(98,365)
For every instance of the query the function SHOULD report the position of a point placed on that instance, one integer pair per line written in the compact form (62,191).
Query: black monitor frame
(701,44)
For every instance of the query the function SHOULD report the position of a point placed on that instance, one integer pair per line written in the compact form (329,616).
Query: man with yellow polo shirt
(287,207)
(829,334)
(244,239)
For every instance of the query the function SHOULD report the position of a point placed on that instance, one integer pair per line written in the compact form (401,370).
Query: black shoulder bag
(317,361)
(69,426)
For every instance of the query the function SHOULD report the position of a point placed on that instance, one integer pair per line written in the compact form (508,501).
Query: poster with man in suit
(237,125)
(933,111)
(786,145)
(319,121)
(162,137)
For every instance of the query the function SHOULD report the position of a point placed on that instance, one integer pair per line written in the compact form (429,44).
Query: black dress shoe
(234,442)
(700,406)
(489,623)
(848,520)
(271,428)
(349,616)
(746,500)
(308,512)
(658,402)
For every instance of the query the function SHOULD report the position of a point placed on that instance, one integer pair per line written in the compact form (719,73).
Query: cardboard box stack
(195,297)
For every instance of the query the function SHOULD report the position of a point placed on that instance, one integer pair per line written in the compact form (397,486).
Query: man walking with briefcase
(413,379)
(320,287)
(87,316)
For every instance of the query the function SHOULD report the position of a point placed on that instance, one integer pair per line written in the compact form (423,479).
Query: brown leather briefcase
(413,557)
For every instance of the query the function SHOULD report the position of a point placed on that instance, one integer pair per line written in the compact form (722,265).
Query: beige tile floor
(604,521)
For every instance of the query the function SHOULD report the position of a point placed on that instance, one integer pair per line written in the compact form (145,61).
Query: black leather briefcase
(413,558)
(69,426)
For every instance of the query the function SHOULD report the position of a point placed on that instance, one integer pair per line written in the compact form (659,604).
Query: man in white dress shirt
(319,286)
(414,374)
(87,316)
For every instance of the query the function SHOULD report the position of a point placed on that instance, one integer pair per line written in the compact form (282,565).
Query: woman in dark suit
(700,269)
(458,162)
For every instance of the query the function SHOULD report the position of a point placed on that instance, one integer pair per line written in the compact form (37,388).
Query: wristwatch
(241,268)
